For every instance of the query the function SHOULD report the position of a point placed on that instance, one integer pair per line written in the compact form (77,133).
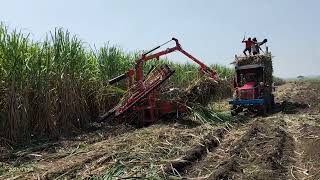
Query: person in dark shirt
(256,46)
(248,46)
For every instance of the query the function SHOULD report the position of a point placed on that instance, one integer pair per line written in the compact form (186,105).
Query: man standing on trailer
(248,46)
(256,46)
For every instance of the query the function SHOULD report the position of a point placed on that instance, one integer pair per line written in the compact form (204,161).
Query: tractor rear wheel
(272,101)
(268,101)
(264,110)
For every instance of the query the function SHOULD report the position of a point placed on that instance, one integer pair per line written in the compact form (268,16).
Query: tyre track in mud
(196,155)
(209,143)
(204,168)
(260,151)
(97,158)
(305,130)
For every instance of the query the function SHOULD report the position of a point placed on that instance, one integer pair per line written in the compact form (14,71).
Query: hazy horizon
(211,30)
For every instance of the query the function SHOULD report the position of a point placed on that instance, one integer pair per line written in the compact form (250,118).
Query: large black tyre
(264,110)
(234,113)
(268,100)
(272,101)
(235,110)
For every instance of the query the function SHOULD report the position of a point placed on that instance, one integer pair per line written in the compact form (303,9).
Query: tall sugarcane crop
(59,86)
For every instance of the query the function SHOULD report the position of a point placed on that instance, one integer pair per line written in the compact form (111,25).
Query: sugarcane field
(104,90)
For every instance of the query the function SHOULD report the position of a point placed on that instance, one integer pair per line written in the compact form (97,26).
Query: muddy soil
(305,92)
(137,153)
(260,151)
(280,146)
(284,145)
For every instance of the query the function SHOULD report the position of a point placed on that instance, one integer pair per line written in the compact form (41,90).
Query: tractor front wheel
(264,110)
(234,112)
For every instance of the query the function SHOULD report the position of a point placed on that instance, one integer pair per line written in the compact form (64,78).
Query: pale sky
(210,30)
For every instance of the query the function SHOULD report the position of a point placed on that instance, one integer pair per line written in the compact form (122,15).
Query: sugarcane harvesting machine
(141,94)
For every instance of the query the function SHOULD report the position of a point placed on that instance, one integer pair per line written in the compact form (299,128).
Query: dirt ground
(283,145)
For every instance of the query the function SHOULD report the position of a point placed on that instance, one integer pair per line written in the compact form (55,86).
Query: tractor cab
(249,81)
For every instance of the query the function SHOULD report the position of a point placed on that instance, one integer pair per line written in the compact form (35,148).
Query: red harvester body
(141,95)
